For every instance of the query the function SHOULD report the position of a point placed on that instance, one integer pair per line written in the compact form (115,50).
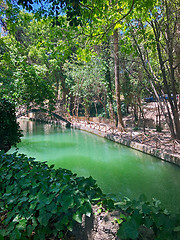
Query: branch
(111,25)
(177,65)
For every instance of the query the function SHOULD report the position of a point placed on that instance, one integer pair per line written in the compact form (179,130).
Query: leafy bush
(10,132)
(38,201)
(151,216)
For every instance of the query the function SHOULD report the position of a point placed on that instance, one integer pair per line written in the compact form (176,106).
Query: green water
(118,170)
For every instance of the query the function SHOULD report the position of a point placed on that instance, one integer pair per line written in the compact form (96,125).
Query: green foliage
(10,132)
(86,81)
(151,216)
(38,201)
(31,57)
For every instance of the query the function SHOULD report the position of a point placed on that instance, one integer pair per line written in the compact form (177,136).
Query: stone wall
(172,158)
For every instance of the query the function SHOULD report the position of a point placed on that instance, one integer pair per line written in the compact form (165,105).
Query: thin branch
(114,23)
(177,65)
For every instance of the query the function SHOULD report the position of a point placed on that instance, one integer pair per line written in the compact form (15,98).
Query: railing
(176,145)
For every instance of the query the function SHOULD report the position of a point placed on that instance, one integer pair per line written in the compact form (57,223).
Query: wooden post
(156,142)
(174,146)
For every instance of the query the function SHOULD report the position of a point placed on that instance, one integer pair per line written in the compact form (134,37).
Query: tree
(92,14)
(155,39)
(10,132)
(100,19)
(86,83)
(31,60)
(117,83)
(106,54)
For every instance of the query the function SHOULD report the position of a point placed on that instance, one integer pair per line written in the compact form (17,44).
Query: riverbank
(159,145)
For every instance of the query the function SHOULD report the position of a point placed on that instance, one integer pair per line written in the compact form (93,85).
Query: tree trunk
(152,77)
(109,93)
(170,48)
(117,83)
(107,56)
(173,103)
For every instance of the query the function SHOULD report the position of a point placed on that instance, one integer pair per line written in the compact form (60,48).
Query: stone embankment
(156,144)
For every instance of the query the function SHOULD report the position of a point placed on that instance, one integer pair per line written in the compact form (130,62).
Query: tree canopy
(56,47)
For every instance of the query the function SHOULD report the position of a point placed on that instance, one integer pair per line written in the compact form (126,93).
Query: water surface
(118,170)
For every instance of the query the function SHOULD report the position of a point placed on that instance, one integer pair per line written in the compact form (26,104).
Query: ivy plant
(141,214)
(38,201)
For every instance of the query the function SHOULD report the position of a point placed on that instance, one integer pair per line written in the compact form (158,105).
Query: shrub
(145,220)
(38,201)
(10,132)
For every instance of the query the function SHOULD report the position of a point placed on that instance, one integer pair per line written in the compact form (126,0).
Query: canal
(118,170)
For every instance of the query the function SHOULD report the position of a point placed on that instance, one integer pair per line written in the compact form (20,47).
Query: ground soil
(100,226)
(103,226)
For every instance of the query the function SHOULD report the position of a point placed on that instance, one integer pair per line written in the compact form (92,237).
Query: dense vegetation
(39,202)
(10,132)
(37,198)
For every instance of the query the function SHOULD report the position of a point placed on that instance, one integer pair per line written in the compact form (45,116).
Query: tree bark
(63,85)
(173,103)
(152,77)
(109,91)
(117,83)
(106,50)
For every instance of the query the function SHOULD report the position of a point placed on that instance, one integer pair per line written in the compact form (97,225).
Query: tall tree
(155,39)
(32,59)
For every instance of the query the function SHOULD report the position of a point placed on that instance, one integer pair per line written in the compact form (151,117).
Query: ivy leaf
(86,209)
(29,230)
(44,218)
(67,201)
(77,217)
(177,229)
(148,222)
(128,230)
(58,225)
(22,224)
(52,208)
(65,220)
(11,226)
(3,232)
(15,234)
